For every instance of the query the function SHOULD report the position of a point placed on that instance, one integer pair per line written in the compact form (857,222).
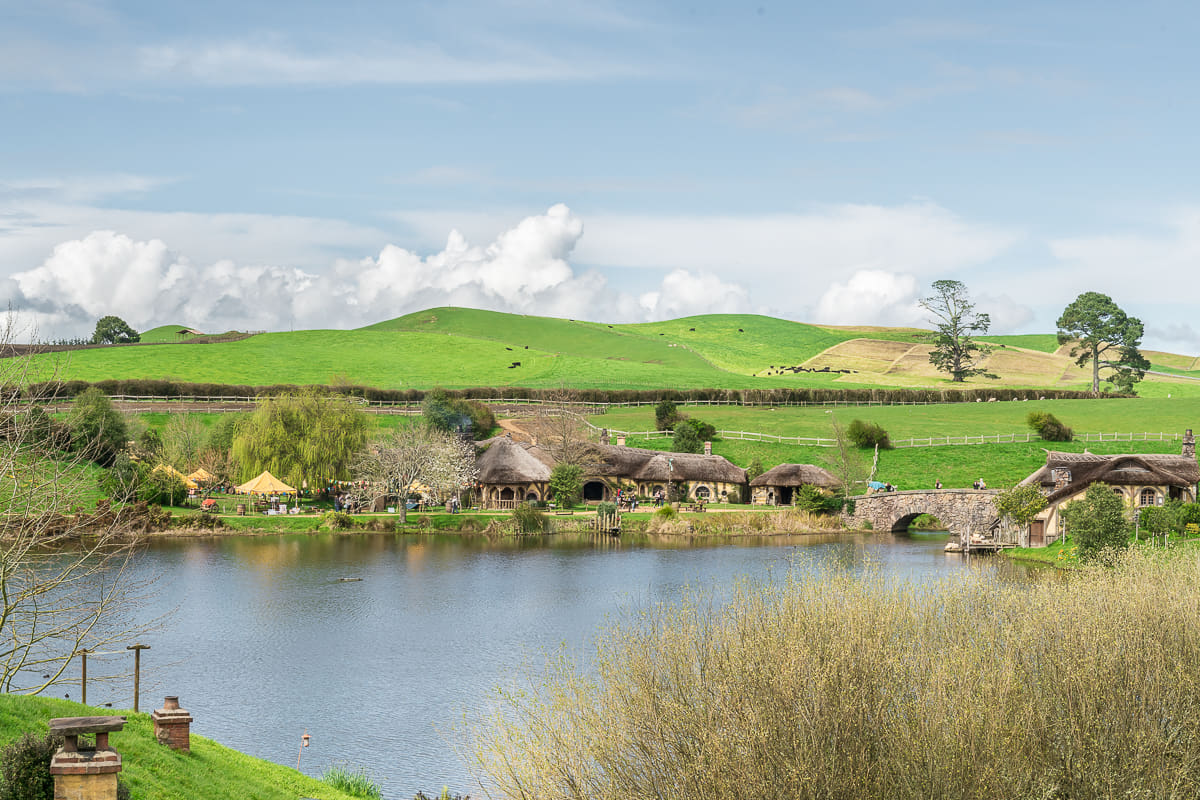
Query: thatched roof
(635,463)
(1128,469)
(507,462)
(797,475)
(604,461)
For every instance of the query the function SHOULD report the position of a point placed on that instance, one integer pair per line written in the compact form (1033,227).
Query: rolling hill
(460,347)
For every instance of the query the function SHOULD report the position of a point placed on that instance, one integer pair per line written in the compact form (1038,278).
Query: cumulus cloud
(526,269)
(871,295)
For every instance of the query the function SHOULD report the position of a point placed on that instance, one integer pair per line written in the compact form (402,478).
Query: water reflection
(267,640)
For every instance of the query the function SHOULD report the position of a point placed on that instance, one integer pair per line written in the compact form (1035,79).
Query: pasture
(459,348)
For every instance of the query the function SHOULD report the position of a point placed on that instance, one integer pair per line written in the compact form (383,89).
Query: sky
(274,166)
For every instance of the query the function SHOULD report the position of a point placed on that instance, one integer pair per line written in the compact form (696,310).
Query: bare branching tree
(64,584)
(561,427)
(410,456)
(847,463)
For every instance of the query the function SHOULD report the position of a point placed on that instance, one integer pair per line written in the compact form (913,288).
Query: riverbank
(725,521)
(210,772)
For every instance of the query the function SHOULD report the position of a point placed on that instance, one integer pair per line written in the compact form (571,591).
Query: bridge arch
(962,511)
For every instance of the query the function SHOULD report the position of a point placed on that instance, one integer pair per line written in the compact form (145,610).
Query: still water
(266,641)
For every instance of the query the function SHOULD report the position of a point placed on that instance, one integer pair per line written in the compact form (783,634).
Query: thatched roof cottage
(509,473)
(1140,479)
(777,486)
(517,471)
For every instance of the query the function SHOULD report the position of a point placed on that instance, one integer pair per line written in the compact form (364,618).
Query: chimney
(90,774)
(620,441)
(604,436)
(1189,444)
(708,448)
(172,725)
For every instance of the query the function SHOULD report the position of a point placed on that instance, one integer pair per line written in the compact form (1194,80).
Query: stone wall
(963,511)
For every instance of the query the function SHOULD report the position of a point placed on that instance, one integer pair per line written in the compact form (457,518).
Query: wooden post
(83,654)
(137,670)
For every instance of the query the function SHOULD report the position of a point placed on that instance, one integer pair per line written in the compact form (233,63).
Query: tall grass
(355,782)
(839,686)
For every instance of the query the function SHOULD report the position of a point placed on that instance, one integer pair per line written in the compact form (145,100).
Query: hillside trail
(519,434)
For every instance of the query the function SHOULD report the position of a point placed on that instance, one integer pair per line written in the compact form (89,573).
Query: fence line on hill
(596,407)
(917,441)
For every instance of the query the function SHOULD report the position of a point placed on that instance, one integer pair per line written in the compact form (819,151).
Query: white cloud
(872,296)
(525,270)
(1006,314)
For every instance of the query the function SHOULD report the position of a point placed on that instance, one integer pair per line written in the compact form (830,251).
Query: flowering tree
(412,455)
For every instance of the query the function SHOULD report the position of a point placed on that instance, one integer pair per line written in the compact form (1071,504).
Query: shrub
(812,500)
(691,434)
(1048,427)
(1097,522)
(97,429)
(666,414)
(868,434)
(606,509)
(666,513)
(529,520)
(340,521)
(355,782)
(162,488)
(122,480)
(566,484)
(25,768)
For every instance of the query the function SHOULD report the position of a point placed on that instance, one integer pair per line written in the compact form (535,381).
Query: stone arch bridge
(963,511)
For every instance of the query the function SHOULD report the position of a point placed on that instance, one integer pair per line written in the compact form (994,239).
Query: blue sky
(301,164)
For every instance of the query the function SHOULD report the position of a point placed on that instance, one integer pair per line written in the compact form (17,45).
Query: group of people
(979,484)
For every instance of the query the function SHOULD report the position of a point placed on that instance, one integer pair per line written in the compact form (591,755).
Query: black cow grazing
(691,329)
(740,330)
(508,348)
(516,363)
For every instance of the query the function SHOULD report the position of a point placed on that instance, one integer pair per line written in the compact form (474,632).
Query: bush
(122,480)
(1048,427)
(340,521)
(529,519)
(1097,523)
(355,782)
(811,499)
(162,488)
(566,484)
(606,509)
(666,514)
(97,429)
(666,414)
(868,434)
(691,434)
(25,768)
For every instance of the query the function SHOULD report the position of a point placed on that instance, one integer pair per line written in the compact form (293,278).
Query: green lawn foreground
(153,772)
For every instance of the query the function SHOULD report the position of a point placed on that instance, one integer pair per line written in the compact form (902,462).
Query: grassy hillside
(210,772)
(457,347)
(163,333)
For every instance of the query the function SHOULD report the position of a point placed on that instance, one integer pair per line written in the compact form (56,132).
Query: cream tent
(265,483)
(167,468)
(202,476)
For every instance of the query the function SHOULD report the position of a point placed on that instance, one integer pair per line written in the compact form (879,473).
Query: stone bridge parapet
(963,511)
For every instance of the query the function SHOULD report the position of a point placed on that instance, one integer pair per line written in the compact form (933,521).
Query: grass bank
(210,772)
(835,685)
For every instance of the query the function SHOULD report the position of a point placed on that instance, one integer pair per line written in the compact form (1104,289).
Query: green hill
(210,772)
(165,333)
(460,347)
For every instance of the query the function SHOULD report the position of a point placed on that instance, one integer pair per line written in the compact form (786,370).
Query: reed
(832,685)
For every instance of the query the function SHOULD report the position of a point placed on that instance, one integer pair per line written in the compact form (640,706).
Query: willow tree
(304,438)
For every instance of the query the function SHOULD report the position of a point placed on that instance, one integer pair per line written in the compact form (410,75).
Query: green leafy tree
(1020,505)
(691,434)
(868,434)
(162,487)
(1157,520)
(566,484)
(97,429)
(956,324)
(1048,427)
(121,481)
(1106,337)
(455,415)
(1097,522)
(666,414)
(114,330)
(309,437)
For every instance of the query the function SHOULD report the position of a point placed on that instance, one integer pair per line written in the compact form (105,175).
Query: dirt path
(519,434)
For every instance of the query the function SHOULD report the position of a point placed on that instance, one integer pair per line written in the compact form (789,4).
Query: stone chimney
(708,448)
(604,436)
(82,773)
(172,725)
(620,441)
(1189,444)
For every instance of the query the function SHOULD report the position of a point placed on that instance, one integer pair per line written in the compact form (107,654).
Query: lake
(266,641)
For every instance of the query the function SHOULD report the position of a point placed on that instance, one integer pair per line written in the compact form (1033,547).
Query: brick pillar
(172,725)
(85,774)
(708,448)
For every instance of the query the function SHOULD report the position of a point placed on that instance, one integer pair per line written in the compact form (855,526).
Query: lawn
(153,772)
